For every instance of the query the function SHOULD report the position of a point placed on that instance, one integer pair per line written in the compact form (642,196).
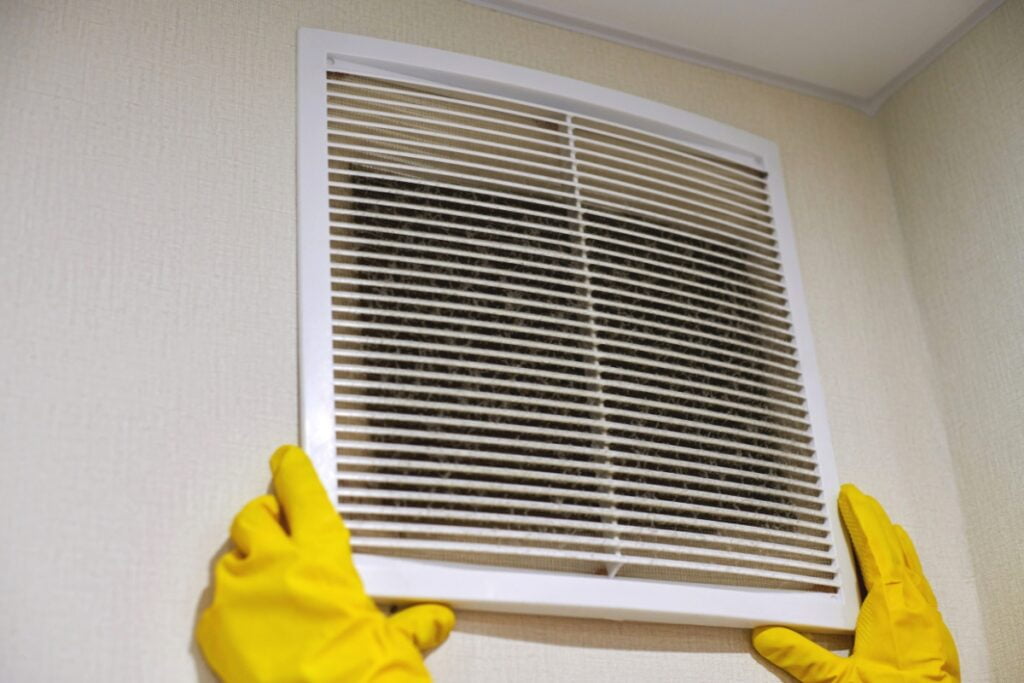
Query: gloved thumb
(427,626)
(801,658)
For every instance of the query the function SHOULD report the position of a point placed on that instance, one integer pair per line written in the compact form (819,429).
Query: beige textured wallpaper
(148,361)
(956,141)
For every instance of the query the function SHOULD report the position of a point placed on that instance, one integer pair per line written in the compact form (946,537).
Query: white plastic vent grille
(564,344)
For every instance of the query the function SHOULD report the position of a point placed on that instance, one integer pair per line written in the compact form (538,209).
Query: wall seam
(934,386)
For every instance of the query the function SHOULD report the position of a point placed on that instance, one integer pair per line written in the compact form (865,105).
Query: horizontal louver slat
(451,459)
(764,531)
(498,437)
(617,558)
(522,395)
(548,537)
(508,520)
(586,475)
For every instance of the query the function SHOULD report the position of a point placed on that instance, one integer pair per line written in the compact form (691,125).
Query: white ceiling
(852,51)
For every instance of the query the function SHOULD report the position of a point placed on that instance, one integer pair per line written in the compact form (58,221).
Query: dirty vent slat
(562,343)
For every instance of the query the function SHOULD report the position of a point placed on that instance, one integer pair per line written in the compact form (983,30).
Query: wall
(955,136)
(148,270)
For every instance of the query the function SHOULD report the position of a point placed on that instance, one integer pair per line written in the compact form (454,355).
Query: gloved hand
(289,606)
(900,636)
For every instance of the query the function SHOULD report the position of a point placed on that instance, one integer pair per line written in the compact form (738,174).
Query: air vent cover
(558,341)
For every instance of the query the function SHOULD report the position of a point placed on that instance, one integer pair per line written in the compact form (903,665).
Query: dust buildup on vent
(561,344)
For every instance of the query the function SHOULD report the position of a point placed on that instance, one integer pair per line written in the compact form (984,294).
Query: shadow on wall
(203,673)
(621,635)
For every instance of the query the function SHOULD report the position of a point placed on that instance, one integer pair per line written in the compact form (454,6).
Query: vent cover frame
(404,580)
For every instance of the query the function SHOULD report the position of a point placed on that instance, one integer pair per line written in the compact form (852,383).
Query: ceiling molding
(874,103)
(869,105)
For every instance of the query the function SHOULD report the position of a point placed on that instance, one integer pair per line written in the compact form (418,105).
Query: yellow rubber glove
(900,636)
(288,604)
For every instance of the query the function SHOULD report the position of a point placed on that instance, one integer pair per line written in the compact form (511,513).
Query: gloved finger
(258,524)
(307,509)
(913,563)
(427,626)
(878,549)
(801,658)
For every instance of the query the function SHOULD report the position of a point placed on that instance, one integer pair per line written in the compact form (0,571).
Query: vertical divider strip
(612,568)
